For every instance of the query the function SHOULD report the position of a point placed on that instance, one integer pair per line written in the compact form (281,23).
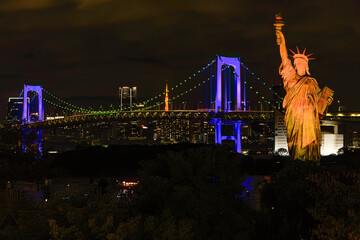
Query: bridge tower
(222,97)
(25,115)
(27,119)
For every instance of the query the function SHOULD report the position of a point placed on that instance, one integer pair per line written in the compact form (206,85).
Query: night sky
(90,47)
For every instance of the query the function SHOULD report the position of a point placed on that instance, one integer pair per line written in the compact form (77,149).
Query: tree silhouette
(194,191)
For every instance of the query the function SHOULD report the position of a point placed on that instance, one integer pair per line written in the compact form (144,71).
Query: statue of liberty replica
(304,103)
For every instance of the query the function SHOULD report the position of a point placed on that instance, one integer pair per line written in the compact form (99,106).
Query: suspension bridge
(225,91)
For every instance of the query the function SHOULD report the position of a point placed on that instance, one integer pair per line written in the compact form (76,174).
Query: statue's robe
(301,116)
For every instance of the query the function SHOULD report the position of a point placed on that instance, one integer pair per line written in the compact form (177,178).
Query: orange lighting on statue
(305,103)
(166,98)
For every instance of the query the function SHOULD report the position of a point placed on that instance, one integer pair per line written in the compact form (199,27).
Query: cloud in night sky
(90,47)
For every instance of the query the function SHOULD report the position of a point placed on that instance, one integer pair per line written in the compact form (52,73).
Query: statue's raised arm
(280,38)
(282,45)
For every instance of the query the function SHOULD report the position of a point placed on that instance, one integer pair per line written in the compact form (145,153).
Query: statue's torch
(278,24)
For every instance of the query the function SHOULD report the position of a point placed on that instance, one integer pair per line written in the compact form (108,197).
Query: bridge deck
(153,115)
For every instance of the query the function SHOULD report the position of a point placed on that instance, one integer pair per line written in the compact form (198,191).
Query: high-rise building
(127,98)
(15,109)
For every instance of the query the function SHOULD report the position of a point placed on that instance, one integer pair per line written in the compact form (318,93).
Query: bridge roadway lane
(257,116)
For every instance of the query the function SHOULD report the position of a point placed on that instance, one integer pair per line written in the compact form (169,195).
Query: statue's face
(300,66)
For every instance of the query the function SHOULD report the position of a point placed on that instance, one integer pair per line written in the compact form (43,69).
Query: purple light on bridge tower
(235,63)
(25,115)
(237,130)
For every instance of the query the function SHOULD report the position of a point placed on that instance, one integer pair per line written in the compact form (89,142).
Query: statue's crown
(301,55)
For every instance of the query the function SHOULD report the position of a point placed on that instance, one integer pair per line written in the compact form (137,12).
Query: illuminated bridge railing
(153,115)
(343,116)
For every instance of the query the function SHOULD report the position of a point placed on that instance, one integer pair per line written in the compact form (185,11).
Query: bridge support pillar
(218,135)
(236,137)
(32,138)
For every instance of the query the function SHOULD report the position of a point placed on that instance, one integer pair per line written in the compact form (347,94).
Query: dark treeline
(114,160)
(196,192)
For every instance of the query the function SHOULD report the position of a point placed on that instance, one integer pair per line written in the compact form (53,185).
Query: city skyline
(90,48)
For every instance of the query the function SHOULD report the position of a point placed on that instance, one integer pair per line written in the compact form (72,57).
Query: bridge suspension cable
(84,110)
(80,109)
(189,90)
(181,94)
(262,82)
(195,87)
(252,88)
(176,86)
(74,108)
(57,105)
